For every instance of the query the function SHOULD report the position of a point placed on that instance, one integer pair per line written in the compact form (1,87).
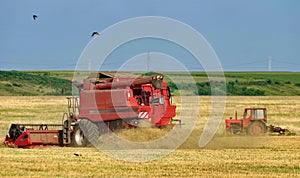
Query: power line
(270,63)
(245,63)
(285,62)
(148,61)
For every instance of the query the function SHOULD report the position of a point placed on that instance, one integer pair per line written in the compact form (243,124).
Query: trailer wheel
(90,130)
(78,138)
(256,128)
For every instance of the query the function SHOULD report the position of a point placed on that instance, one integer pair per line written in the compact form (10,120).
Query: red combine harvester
(106,103)
(254,122)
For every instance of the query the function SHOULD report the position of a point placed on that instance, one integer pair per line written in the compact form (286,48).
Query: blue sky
(242,33)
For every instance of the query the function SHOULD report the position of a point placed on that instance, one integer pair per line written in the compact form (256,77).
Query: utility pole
(270,63)
(148,61)
(90,65)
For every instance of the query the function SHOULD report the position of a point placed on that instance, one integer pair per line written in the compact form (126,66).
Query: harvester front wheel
(78,138)
(90,130)
(256,128)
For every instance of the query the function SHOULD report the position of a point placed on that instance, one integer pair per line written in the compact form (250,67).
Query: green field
(33,83)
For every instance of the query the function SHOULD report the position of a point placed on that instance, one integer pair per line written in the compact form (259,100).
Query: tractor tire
(256,128)
(78,139)
(90,130)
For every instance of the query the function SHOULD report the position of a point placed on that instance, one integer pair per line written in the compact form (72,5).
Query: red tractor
(106,102)
(253,122)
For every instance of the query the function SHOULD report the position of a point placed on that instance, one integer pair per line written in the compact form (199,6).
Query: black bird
(76,154)
(35,17)
(95,33)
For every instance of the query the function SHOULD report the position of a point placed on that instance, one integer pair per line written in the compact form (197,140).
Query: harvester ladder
(73,105)
(73,109)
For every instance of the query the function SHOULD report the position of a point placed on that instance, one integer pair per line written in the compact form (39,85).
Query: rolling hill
(32,83)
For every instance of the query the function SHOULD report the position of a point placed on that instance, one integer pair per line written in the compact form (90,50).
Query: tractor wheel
(78,139)
(90,130)
(256,128)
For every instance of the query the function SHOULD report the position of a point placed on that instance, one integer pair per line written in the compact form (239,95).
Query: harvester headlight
(158,77)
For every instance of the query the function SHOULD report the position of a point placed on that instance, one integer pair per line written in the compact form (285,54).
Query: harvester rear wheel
(256,128)
(78,138)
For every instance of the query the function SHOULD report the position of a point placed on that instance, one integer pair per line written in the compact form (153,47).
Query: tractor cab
(255,113)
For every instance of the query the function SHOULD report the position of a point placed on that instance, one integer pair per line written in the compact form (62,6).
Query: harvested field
(224,156)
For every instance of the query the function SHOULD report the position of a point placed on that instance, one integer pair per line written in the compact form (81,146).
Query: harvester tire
(90,130)
(256,128)
(78,139)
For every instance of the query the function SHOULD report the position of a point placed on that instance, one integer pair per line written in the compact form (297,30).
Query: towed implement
(254,122)
(106,103)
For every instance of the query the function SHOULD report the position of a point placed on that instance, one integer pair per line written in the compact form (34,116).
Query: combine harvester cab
(105,103)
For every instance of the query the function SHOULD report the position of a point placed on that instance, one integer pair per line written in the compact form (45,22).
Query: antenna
(270,63)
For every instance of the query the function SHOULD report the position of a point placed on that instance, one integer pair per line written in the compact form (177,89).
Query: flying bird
(95,33)
(35,17)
